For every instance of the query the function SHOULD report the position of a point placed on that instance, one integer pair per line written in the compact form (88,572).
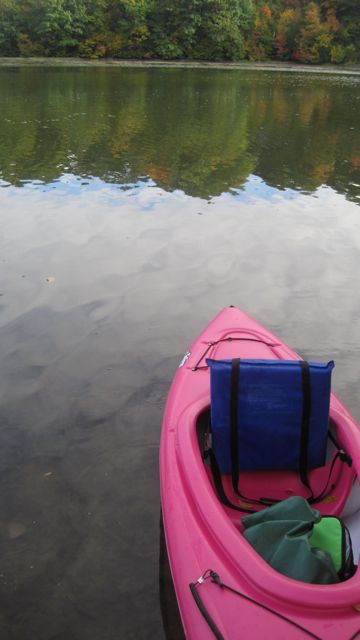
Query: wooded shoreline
(185,64)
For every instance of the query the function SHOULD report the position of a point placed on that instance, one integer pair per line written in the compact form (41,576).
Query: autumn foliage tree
(287,28)
(307,31)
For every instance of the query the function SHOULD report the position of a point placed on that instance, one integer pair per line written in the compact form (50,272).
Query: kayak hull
(201,533)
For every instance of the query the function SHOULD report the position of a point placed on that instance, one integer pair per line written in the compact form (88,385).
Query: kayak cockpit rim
(240,557)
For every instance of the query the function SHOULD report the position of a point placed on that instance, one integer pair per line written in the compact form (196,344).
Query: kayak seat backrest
(269,414)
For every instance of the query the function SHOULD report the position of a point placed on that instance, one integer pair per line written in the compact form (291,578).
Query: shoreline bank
(289,67)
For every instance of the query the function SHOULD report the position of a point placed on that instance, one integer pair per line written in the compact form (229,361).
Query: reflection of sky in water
(278,239)
(71,185)
(256,188)
(101,291)
(278,254)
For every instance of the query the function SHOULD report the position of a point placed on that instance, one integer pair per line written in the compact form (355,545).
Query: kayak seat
(270,416)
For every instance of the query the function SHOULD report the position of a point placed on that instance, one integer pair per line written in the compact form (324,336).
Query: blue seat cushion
(269,413)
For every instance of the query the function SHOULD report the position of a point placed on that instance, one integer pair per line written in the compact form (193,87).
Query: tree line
(307,31)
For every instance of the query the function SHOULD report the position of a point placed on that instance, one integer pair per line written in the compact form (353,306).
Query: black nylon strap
(219,485)
(265,502)
(305,424)
(215,578)
(204,612)
(234,391)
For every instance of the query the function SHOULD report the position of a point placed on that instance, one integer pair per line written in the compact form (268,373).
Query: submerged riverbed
(134,204)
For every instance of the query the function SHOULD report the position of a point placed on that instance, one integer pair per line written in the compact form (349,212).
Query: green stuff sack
(331,535)
(296,541)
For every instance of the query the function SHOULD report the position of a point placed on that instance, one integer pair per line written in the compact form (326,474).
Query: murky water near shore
(136,204)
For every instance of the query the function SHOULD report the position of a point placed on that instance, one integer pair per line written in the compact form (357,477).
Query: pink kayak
(223,587)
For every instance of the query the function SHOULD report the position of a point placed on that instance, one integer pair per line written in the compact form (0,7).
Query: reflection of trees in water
(196,130)
(303,139)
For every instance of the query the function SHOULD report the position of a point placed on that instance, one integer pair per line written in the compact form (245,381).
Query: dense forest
(308,31)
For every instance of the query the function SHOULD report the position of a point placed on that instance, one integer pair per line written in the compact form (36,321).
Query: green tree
(55,27)
(205,29)
(58,27)
(221,32)
(8,28)
(174,27)
(127,27)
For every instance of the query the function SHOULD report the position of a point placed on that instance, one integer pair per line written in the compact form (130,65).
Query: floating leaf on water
(15,530)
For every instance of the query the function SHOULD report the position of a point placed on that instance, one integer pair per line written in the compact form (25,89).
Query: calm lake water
(134,205)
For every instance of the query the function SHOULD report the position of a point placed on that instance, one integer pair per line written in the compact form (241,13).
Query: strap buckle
(344,457)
